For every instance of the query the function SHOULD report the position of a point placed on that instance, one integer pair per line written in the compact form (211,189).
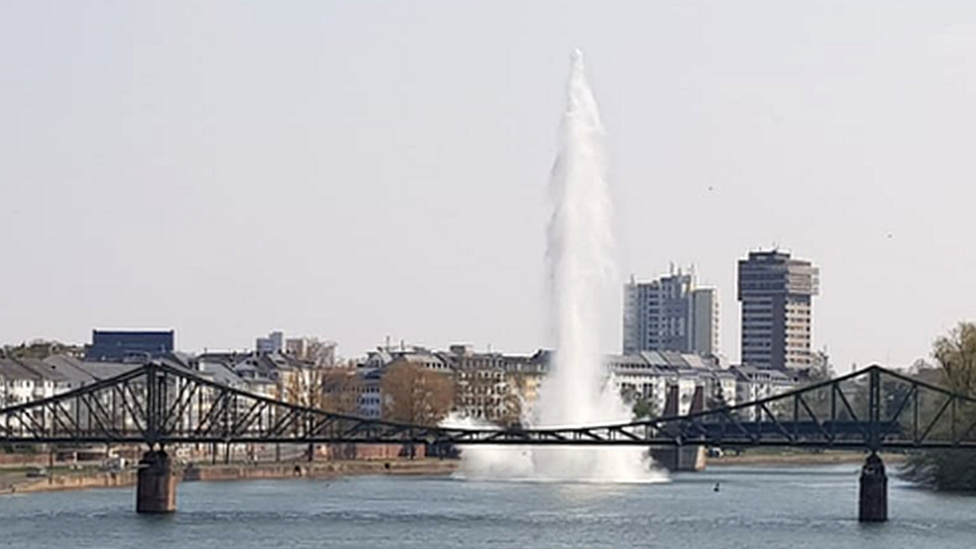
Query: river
(794,507)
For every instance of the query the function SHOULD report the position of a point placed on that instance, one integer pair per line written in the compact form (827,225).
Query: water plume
(580,268)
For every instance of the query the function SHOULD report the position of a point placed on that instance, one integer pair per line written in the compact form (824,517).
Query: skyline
(336,170)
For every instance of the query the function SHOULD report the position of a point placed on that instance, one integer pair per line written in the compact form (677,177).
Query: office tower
(776,293)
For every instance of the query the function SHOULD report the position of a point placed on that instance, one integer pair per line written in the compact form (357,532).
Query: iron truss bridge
(157,404)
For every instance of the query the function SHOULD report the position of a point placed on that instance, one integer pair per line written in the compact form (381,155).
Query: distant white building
(670,314)
(321,354)
(274,343)
(298,347)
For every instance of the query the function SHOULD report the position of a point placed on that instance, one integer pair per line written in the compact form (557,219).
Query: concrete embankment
(321,469)
(75,480)
(81,480)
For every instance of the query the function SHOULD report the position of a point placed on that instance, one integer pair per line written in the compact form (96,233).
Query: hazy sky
(360,169)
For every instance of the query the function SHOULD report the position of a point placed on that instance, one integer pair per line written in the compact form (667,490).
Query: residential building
(48,381)
(652,376)
(384,356)
(17,384)
(119,346)
(369,402)
(26,380)
(776,292)
(492,386)
(70,368)
(488,386)
(670,314)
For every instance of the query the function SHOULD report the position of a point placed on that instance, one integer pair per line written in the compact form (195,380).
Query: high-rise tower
(776,293)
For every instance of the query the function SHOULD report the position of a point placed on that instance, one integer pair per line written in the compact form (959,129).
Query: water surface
(768,507)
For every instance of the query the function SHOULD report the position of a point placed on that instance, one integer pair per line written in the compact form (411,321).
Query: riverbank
(63,479)
(17,481)
(787,459)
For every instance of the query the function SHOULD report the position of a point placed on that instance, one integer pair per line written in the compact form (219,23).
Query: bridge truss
(158,404)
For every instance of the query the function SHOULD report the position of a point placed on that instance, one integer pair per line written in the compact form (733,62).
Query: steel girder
(158,404)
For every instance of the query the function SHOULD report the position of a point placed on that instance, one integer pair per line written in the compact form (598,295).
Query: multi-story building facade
(492,386)
(704,321)
(487,386)
(776,292)
(651,375)
(670,314)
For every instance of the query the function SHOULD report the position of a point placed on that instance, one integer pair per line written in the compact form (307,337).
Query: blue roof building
(121,346)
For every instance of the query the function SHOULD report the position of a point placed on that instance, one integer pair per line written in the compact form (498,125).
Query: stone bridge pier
(873,496)
(156,484)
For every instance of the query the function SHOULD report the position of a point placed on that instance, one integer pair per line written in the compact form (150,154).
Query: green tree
(951,470)
(643,408)
(341,387)
(956,355)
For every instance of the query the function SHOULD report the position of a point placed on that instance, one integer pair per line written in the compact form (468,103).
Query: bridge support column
(873,497)
(156,485)
(680,458)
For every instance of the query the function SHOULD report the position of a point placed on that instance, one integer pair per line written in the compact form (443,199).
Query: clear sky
(361,169)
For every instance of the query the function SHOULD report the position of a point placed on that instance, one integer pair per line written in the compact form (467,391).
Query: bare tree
(417,395)
(321,388)
(340,390)
(511,403)
(321,353)
(303,386)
